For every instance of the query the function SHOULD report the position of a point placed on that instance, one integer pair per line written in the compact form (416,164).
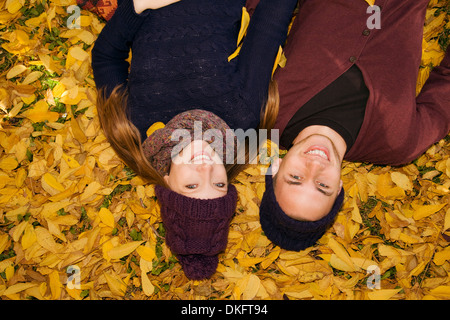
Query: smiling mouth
(201,157)
(318,152)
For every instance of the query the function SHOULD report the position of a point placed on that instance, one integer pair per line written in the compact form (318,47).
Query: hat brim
(286,232)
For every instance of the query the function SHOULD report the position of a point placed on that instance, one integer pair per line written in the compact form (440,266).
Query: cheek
(178,172)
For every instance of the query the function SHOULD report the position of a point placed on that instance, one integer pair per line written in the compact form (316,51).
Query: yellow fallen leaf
(49,209)
(32,77)
(45,239)
(67,220)
(278,59)
(74,293)
(146,252)
(147,286)
(8,164)
(250,261)
(245,20)
(55,284)
(66,194)
(423,211)
(92,237)
(4,241)
(75,54)
(27,100)
(58,90)
(251,288)
(383,294)
(18,287)
(15,71)
(108,245)
(77,131)
(410,238)
(36,21)
(39,112)
(18,230)
(340,264)
(86,36)
(389,251)
(301,294)
(341,253)
(106,217)
(37,168)
(124,249)
(71,162)
(154,127)
(50,16)
(447,220)
(441,256)
(29,237)
(51,185)
(116,284)
(441,292)
(90,190)
(387,189)
(14,6)
(9,272)
(401,180)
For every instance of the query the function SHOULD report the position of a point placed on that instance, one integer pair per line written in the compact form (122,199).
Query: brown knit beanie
(158,146)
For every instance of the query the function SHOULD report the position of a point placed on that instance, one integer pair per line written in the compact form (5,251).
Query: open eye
(323,185)
(220,185)
(295,177)
(191,186)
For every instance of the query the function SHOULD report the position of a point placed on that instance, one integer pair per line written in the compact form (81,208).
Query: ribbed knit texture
(196,229)
(180,59)
(286,232)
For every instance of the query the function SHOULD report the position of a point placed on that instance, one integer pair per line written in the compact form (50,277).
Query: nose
(204,167)
(314,164)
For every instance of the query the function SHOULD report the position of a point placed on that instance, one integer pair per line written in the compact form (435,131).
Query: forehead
(302,202)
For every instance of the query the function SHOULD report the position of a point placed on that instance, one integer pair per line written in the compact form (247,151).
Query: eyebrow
(298,183)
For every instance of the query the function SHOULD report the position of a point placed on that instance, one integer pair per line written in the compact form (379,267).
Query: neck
(335,138)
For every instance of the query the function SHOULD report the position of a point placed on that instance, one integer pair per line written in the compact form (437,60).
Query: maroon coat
(328,36)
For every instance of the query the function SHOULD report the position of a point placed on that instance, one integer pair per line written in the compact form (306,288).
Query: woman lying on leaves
(180,75)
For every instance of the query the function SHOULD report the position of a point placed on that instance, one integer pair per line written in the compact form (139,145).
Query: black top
(340,106)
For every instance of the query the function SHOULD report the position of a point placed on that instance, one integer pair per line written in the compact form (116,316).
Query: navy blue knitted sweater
(180,59)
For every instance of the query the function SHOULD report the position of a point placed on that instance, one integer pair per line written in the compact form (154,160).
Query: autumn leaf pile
(68,203)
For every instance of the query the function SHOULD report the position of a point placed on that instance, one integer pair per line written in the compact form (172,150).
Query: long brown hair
(123,135)
(126,140)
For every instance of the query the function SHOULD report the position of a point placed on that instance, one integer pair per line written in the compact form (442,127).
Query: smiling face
(308,179)
(198,172)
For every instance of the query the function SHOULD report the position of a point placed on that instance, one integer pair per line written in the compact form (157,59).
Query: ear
(276,166)
(166,178)
(340,184)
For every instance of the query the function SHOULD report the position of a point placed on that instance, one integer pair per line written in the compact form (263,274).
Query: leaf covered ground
(75,223)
